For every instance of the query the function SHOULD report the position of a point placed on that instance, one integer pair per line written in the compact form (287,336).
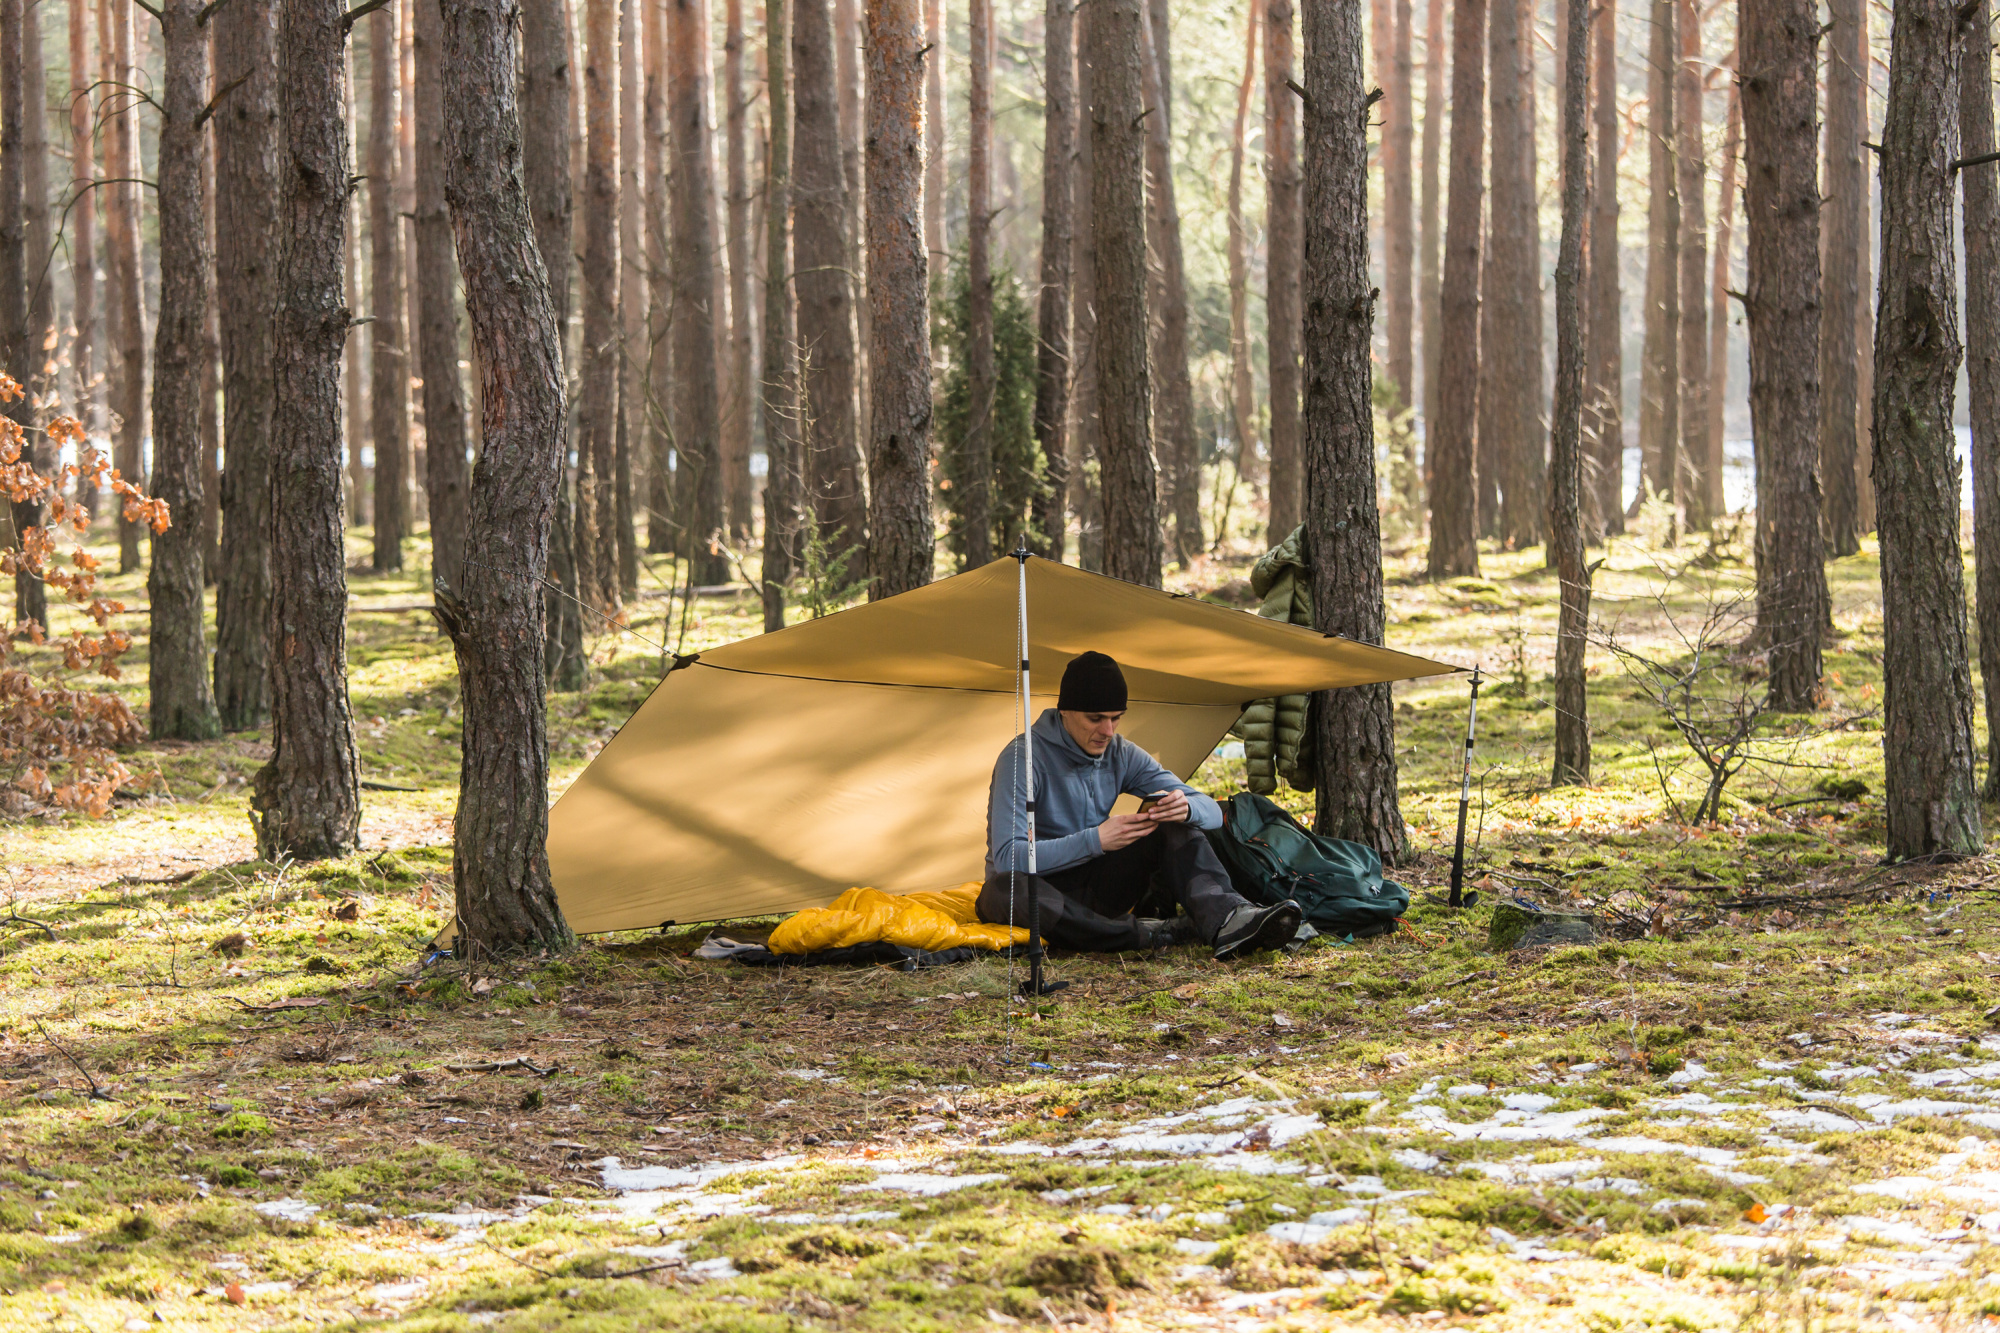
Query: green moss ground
(1707,1069)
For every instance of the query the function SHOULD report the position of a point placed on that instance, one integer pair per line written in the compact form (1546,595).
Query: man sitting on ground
(1092,868)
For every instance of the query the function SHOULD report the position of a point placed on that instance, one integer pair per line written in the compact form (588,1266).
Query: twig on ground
(97,1094)
(649,1268)
(499,1066)
(514,1260)
(1468,980)
(43,926)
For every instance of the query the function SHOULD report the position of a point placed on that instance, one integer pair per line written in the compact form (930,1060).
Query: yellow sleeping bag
(927,921)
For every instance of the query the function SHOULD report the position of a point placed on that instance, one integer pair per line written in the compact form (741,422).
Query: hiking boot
(1250,929)
(1166,932)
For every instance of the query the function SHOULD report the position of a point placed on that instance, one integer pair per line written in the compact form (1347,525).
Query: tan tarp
(776,772)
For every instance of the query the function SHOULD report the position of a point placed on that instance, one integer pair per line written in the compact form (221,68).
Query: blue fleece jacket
(1073,795)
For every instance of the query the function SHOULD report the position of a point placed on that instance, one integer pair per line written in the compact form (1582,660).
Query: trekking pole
(1459,898)
(1033,987)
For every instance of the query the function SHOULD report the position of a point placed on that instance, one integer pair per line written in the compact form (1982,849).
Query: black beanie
(1092,683)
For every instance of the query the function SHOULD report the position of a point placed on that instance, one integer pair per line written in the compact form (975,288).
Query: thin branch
(209,11)
(356,14)
(150,10)
(222,92)
(97,1094)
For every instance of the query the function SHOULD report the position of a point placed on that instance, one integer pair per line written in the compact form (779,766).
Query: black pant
(1089,906)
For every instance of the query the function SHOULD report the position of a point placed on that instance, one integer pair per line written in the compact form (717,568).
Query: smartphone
(1151,801)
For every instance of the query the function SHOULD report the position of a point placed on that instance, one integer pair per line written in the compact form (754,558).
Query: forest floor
(237,1095)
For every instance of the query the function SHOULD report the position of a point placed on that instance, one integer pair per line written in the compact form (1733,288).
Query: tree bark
(1398,198)
(248,150)
(1930,793)
(1242,385)
(1284,256)
(505,899)
(128,394)
(1118,220)
(1604,418)
(1430,278)
(446,477)
(934,155)
(825,289)
(697,388)
(1718,292)
(899,473)
(1356,727)
(663,533)
(783,482)
(1844,216)
(597,412)
(742,364)
(360,501)
(1454,550)
(632,305)
(211,386)
(182,703)
(30,595)
(35,224)
(1660,368)
(545,169)
(1174,425)
(1781,202)
(975,505)
(1053,342)
(1566,441)
(1701,489)
(306,801)
(1864,319)
(83,221)
(388,360)
(1982,361)
(1511,432)
(1086,492)
(847,73)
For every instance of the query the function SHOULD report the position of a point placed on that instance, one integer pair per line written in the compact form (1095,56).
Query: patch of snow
(289,1210)
(1315,1228)
(1413,1159)
(627,1179)
(1200,1249)
(917,1183)
(1689,1073)
(1890,1112)
(712,1270)
(1527,1101)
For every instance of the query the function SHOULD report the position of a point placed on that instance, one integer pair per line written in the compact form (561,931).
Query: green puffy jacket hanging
(1277,734)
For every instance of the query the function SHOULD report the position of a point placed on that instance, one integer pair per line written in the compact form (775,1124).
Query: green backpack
(1338,885)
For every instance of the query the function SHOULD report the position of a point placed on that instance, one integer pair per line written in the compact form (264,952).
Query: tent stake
(1459,898)
(1034,987)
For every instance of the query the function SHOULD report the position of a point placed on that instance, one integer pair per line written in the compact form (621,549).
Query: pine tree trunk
(1053,343)
(697,386)
(446,479)
(388,376)
(975,504)
(1604,405)
(545,171)
(30,595)
(1660,372)
(177,684)
(1454,550)
(1566,437)
(1781,203)
(128,396)
(306,801)
(1844,219)
(1930,794)
(210,391)
(1398,198)
(663,534)
(1430,278)
(40,252)
(1086,492)
(847,74)
(1701,488)
(597,412)
(1174,422)
(825,293)
(899,454)
(82,222)
(1356,727)
(1117,47)
(248,149)
(1284,256)
(360,501)
(1718,293)
(742,364)
(934,113)
(505,900)
(783,482)
(1242,385)
(1511,433)
(1864,316)
(632,304)
(1982,360)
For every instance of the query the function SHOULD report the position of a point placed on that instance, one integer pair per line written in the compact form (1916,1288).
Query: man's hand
(1123,830)
(1170,808)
